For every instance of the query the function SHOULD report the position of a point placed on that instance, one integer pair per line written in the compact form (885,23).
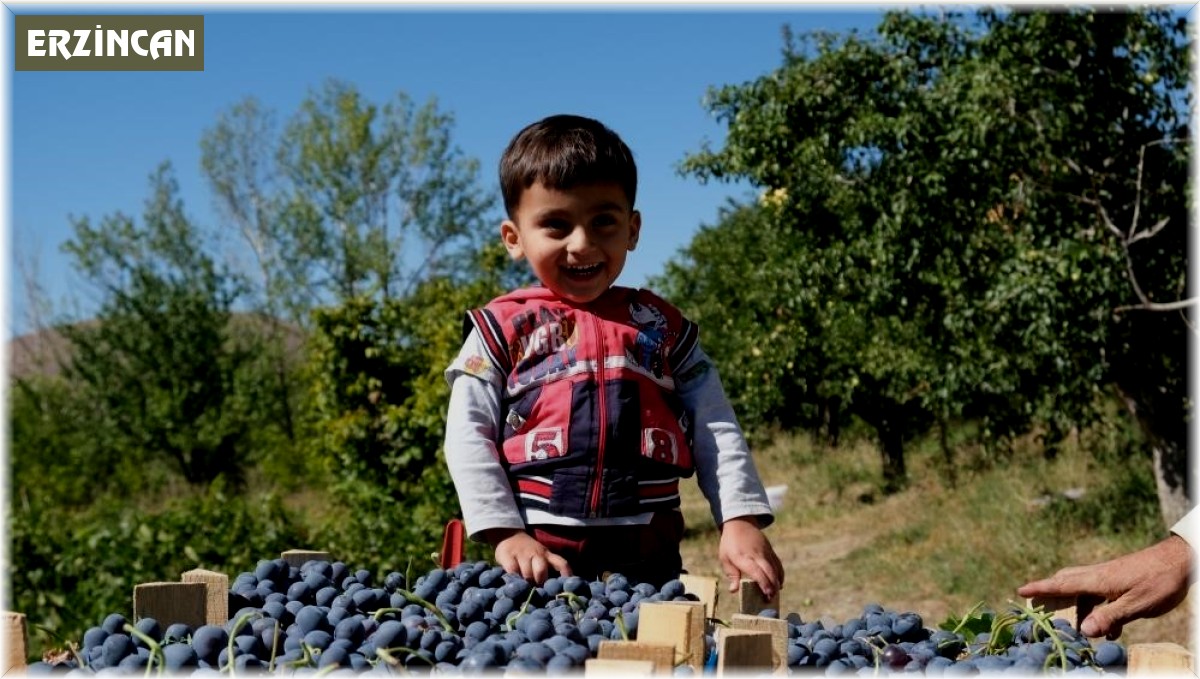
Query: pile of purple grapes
(475,618)
(884,642)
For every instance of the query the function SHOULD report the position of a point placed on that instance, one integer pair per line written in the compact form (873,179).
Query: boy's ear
(511,239)
(635,229)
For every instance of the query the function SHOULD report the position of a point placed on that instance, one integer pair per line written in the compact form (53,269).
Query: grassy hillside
(944,544)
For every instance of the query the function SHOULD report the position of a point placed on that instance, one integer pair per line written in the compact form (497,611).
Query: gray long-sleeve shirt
(724,469)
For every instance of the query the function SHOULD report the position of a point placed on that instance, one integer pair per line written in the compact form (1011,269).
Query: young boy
(576,405)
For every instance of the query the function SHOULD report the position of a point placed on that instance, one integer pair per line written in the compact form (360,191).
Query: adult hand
(746,552)
(518,552)
(1144,584)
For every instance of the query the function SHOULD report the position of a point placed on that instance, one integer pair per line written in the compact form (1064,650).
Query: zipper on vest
(594,510)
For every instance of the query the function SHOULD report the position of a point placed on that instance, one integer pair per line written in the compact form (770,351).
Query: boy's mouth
(583,272)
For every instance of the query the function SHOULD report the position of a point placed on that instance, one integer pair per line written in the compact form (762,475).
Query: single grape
(894,657)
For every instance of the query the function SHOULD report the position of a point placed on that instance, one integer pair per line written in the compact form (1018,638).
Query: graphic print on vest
(545,344)
(652,332)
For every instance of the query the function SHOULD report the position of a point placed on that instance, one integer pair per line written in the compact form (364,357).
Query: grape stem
(437,612)
(237,626)
(155,649)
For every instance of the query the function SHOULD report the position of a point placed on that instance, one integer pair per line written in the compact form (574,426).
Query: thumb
(1105,620)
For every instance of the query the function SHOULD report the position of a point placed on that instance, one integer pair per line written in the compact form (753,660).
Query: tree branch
(1157,306)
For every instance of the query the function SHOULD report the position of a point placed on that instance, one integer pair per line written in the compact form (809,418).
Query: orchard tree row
(962,219)
(976,218)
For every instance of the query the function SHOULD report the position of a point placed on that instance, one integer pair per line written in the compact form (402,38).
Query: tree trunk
(894,472)
(1170,476)
(1168,444)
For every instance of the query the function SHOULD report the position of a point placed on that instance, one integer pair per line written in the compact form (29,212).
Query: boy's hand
(518,552)
(746,552)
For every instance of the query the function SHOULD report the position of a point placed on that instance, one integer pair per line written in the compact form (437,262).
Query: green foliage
(351,199)
(949,218)
(70,568)
(379,402)
(160,373)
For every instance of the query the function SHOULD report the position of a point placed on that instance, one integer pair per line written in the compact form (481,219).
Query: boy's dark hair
(562,151)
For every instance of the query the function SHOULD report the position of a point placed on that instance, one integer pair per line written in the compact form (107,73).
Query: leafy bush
(70,568)
(379,418)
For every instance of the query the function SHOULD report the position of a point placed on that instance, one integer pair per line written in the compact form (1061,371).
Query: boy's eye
(556,225)
(604,220)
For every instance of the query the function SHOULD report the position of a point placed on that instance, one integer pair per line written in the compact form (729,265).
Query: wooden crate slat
(297,557)
(662,655)
(1160,658)
(171,602)
(706,588)
(742,650)
(598,667)
(778,629)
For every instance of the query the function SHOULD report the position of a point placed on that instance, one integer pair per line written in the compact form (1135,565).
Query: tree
(351,199)
(351,203)
(379,400)
(938,188)
(161,369)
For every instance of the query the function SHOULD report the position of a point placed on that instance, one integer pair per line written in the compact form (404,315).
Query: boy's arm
(724,469)
(472,426)
(489,508)
(728,478)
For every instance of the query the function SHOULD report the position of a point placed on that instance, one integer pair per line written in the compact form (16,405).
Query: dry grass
(937,548)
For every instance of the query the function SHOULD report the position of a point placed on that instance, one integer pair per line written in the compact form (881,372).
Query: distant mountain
(43,352)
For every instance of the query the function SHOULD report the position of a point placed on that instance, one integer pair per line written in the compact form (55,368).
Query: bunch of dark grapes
(885,642)
(466,620)
(475,618)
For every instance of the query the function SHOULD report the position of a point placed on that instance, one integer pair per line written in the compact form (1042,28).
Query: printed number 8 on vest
(659,445)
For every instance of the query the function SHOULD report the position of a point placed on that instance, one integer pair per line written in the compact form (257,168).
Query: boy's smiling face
(576,240)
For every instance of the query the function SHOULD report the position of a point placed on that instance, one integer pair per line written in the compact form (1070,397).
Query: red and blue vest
(591,423)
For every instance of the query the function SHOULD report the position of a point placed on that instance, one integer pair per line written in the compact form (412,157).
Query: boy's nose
(580,240)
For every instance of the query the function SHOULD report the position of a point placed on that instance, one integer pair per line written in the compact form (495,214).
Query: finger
(541,569)
(766,584)
(560,564)
(734,575)
(509,563)
(1071,581)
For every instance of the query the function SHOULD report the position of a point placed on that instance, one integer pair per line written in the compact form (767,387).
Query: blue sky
(84,143)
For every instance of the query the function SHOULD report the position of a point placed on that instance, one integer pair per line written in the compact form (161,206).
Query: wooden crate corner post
(751,599)
(679,624)
(216,593)
(16,643)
